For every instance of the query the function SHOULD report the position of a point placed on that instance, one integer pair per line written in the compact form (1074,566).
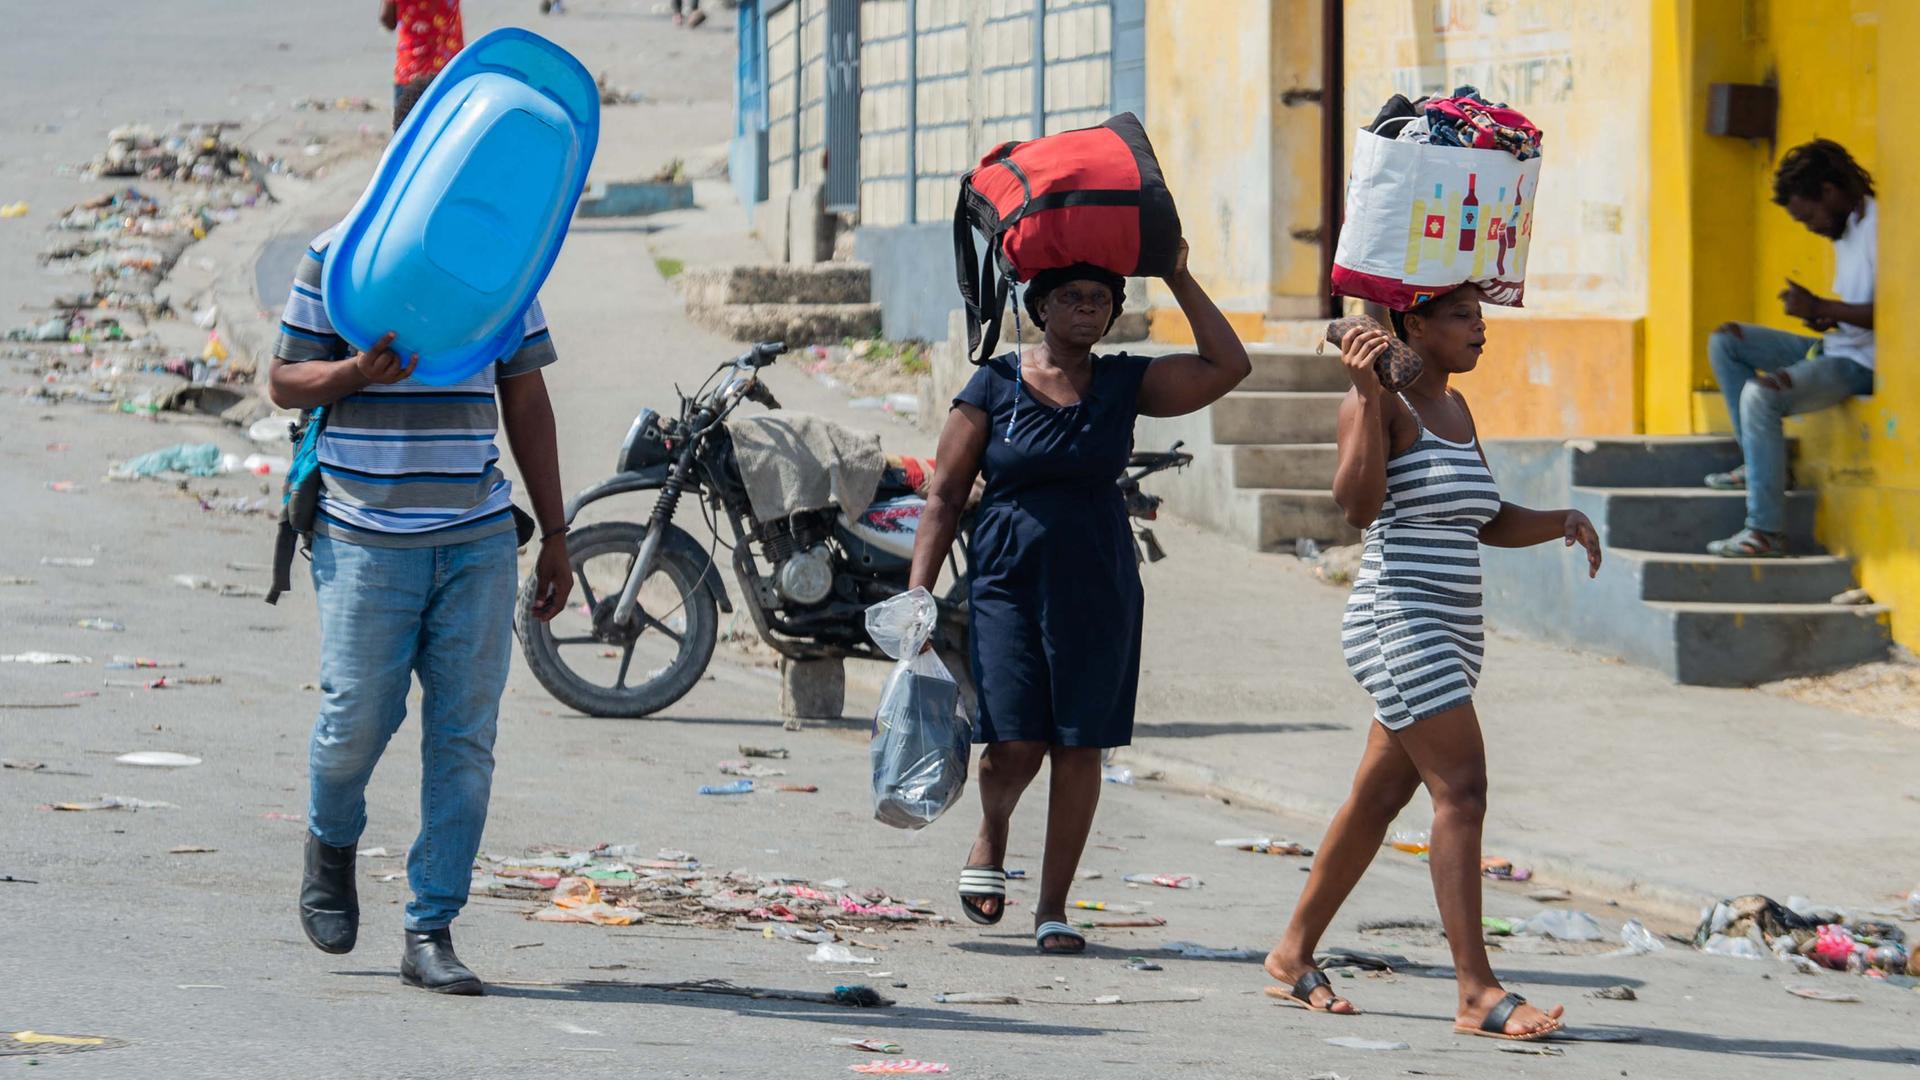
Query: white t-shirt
(1854,256)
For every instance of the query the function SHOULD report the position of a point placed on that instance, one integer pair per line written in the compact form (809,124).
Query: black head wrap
(1046,281)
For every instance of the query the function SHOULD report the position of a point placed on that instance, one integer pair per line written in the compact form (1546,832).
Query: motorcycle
(650,595)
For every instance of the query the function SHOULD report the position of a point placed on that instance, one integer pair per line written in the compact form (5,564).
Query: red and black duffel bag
(1094,195)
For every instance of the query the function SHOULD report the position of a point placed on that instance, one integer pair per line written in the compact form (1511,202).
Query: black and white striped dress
(1412,632)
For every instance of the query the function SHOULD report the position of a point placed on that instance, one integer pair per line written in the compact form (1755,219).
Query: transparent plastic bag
(922,738)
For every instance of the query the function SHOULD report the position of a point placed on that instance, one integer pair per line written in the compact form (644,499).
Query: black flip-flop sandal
(983,883)
(1495,1025)
(1300,995)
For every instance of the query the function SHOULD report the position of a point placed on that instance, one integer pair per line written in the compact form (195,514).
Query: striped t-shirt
(406,464)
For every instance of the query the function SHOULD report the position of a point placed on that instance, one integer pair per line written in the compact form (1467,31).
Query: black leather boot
(329,903)
(428,962)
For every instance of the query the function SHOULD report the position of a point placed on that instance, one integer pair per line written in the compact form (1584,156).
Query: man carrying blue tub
(414,570)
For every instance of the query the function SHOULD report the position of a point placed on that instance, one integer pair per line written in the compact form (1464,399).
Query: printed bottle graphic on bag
(1433,247)
(1481,242)
(1469,215)
(1497,231)
(1524,239)
(1416,228)
(1510,232)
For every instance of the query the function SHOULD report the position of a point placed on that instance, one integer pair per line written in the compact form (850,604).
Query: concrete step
(794,324)
(1292,370)
(1283,515)
(1684,520)
(1298,465)
(1263,418)
(1705,579)
(1681,461)
(1748,644)
(778,283)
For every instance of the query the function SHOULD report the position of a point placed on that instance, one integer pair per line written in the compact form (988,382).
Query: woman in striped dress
(1412,474)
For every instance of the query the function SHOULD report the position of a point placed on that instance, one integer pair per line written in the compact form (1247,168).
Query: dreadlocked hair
(1807,167)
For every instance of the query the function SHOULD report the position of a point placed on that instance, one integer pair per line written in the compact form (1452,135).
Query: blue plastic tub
(453,239)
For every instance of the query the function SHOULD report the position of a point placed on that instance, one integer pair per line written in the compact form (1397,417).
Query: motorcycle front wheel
(588,662)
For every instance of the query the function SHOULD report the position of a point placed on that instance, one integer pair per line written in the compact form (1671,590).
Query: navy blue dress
(1055,589)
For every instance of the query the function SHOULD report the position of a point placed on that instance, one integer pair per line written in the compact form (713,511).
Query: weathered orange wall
(1557,378)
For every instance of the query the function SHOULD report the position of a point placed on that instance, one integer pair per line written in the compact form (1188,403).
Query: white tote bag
(1424,219)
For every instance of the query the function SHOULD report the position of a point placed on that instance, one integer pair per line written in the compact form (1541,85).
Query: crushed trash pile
(1811,937)
(623,884)
(190,153)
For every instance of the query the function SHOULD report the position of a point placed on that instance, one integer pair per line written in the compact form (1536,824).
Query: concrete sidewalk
(1604,777)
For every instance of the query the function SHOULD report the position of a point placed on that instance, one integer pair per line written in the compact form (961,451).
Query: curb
(1674,901)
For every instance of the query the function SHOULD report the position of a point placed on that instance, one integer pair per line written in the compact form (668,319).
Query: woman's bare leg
(1448,750)
(1384,782)
(1073,794)
(1006,768)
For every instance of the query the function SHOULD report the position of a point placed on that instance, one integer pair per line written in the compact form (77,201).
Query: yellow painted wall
(1721,249)
(1208,113)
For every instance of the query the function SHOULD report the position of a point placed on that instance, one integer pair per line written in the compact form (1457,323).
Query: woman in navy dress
(1055,596)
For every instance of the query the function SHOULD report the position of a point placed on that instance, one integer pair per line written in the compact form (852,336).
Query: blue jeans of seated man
(445,613)
(1818,381)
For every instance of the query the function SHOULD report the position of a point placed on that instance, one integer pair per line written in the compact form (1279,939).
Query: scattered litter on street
(159,759)
(828,952)
(738,787)
(1562,925)
(1192,951)
(66,561)
(1636,940)
(1136,922)
(15,580)
(44,658)
(902,1067)
(1352,1042)
(579,900)
(9,879)
(1549,895)
(874,1046)
(748,769)
(1615,993)
(778,752)
(975,998)
(1757,927)
(39,1043)
(854,997)
(1499,869)
(801,789)
(105,625)
(1102,905)
(191,849)
(1497,926)
(193,459)
(1141,963)
(1167,881)
(1815,993)
(1413,843)
(110,802)
(1116,774)
(276,815)
(1265,845)
(1535,1049)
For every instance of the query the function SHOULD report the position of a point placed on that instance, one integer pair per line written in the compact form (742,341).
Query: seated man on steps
(1768,375)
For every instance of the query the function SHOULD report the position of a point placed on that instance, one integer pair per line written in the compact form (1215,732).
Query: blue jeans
(1818,381)
(386,613)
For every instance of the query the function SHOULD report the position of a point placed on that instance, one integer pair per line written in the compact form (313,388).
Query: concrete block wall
(782,86)
(1079,68)
(884,44)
